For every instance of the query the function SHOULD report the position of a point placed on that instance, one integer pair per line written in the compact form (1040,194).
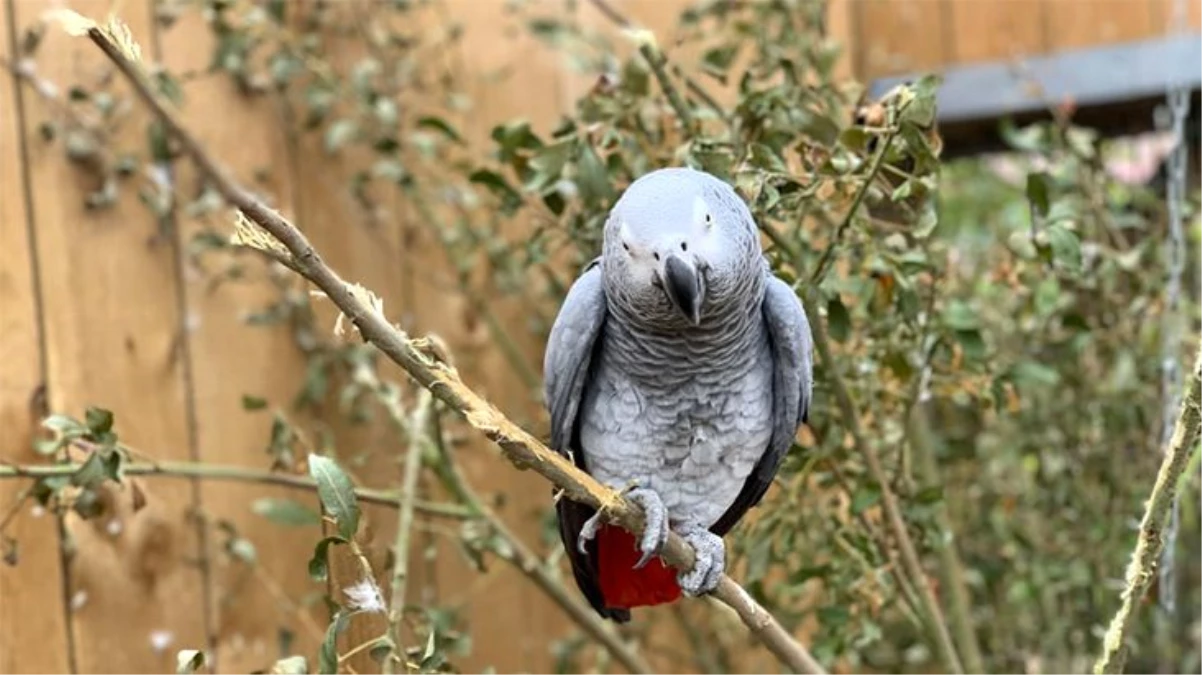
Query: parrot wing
(792,378)
(567,362)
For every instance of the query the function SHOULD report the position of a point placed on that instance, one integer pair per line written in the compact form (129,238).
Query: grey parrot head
(680,246)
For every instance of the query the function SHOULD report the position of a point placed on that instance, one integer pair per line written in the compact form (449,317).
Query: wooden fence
(101,307)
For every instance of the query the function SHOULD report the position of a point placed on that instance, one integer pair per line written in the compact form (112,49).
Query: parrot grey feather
(566,363)
(792,357)
(569,353)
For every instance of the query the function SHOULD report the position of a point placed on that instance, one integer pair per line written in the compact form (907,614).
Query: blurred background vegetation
(992,328)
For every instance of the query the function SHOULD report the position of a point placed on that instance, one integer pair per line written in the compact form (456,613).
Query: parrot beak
(682,283)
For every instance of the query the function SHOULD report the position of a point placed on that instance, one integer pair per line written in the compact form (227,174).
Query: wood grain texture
(252,604)
(996,31)
(112,340)
(32,609)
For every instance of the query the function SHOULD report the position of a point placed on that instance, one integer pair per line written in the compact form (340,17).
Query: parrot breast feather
(792,376)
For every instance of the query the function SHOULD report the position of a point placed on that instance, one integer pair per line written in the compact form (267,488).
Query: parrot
(678,371)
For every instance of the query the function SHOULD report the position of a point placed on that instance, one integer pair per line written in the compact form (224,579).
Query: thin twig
(878,161)
(950,566)
(400,564)
(533,567)
(897,524)
(658,62)
(235,474)
(517,445)
(1142,569)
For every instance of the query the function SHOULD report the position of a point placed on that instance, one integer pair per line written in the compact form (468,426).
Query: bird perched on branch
(678,369)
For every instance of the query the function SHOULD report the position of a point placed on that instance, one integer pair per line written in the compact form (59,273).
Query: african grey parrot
(681,366)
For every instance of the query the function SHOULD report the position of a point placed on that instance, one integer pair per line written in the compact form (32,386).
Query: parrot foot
(655,523)
(710,560)
(655,530)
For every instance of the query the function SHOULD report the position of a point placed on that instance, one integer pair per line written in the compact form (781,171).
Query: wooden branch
(1142,569)
(519,447)
(400,563)
(236,474)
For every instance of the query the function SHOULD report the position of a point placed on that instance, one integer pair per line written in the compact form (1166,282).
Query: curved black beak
(682,282)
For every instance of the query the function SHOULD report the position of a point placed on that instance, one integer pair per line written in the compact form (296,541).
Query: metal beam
(1114,88)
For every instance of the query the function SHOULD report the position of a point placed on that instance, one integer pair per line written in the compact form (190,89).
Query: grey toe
(709,560)
(655,530)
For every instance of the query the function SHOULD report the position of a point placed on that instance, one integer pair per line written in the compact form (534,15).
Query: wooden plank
(252,603)
(984,30)
(898,36)
(32,609)
(1089,23)
(112,339)
(363,243)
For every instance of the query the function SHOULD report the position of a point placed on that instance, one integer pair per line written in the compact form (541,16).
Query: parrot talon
(709,562)
(588,531)
(655,529)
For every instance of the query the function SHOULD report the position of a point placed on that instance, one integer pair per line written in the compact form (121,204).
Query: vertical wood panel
(992,30)
(111,322)
(32,610)
(251,603)
(364,246)
(1087,23)
(898,36)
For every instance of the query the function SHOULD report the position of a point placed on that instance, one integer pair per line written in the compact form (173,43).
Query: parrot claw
(709,562)
(655,529)
(588,531)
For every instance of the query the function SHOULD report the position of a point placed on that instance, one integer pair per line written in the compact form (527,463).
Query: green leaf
(319,564)
(972,342)
(67,426)
(99,420)
(510,198)
(865,498)
(253,402)
(717,61)
(1039,190)
(929,495)
(97,468)
(838,319)
(327,657)
(442,126)
(285,512)
(960,316)
(1066,248)
(337,493)
(189,661)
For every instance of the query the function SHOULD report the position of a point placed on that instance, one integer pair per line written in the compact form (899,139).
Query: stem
(658,62)
(877,162)
(234,474)
(951,567)
(1148,546)
(400,566)
(893,515)
(517,445)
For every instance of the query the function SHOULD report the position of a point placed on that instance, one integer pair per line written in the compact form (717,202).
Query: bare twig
(533,567)
(1142,569)
(950,566)
(400,565)
(517,445)
(235,474)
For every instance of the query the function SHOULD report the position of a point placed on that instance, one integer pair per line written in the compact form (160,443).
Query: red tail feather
(624,587)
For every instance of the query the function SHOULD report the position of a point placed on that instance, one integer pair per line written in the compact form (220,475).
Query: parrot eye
(684,246)
(656,255)
(709,220)
(626,246)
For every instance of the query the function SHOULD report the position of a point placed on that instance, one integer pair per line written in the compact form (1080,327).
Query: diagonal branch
(1142,569)
(518,446)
